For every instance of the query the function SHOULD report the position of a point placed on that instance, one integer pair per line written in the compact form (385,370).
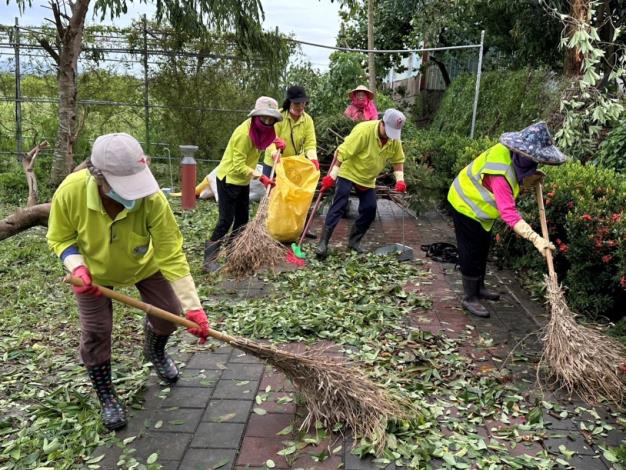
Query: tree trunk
(574,57)
(24,219)
(444,71)
(371,65)
(71,38)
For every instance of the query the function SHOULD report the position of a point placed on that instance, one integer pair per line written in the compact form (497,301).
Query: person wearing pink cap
(360,159)
(111,225)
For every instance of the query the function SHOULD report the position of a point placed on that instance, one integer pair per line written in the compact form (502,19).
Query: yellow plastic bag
(296,180)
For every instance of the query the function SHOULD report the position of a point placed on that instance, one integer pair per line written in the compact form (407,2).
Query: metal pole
(18,93)
(146,104)
(478,74)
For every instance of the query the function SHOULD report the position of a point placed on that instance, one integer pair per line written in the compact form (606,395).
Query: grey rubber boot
(354,239)
(154,351)
(471,301)
(113,412)
(484,293)
(322,247)
(211,251)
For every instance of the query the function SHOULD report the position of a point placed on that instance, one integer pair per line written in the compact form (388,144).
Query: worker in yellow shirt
(111,225)
(296,129)
(360,159)
(236,169)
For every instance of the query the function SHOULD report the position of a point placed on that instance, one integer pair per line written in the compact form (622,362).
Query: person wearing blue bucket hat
(486,190)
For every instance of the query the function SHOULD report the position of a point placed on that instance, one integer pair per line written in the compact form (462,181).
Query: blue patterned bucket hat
(534,142)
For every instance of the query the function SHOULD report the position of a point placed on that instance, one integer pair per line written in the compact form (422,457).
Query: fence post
(146,104)
(18,93)
(478,74)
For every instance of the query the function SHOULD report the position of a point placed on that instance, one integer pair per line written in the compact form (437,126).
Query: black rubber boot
(154,351)
(113,412)
(470,300)
(484,293)
(322,247)
(354,239)
(211,251)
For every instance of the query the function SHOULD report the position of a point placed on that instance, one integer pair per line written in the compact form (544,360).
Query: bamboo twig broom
(581,360)
(335,391)
(254,248)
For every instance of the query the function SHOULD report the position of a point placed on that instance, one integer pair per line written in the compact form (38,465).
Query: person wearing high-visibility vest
(111,225)
(360,159)
(296,131)
(235,171)
(486,190)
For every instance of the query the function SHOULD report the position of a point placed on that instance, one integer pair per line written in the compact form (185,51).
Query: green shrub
(587,222)
(508,101)
(613,150)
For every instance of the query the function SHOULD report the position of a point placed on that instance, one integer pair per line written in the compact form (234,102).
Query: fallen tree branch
(23,219)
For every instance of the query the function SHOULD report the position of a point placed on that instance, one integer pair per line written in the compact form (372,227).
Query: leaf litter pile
(49,416)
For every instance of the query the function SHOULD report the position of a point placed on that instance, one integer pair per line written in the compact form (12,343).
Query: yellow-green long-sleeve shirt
(299,136)
(363,156)
(118,252)
(240,157)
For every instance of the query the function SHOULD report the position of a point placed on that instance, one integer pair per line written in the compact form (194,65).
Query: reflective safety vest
(467,194)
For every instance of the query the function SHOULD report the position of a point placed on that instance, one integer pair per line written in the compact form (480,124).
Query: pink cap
(123,164)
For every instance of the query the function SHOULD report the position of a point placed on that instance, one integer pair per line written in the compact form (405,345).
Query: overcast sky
(309,20)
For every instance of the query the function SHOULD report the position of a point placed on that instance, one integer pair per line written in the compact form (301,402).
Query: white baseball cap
(123,164)
(394,122)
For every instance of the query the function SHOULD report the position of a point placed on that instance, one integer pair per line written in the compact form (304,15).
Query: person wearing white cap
(111,225)
(360,159)
(237,167)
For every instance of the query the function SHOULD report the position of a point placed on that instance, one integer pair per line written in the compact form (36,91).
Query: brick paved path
(213,419)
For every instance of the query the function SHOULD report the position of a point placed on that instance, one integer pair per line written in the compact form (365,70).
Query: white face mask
(127,203)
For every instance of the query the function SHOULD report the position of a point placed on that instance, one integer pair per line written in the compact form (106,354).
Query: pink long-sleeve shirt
(505,202)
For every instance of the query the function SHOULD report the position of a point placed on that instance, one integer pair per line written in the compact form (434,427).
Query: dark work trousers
(234,205)
(96,318)
(367,205)
(473,244)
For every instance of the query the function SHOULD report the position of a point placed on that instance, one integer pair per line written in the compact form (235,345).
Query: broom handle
(544,231)
(149,308)
(316,206)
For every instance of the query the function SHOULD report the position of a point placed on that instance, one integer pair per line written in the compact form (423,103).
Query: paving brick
(277,381)
(306,461)
(187,397)
(255,451)
(168,445)
(271,405)
(268,425)
(237,371)
(204,459)
(352,462)
(243,358)
(218,435)
(198,378)
(175,420)
(236,389)
(573,441)
(207,360)
(231,411)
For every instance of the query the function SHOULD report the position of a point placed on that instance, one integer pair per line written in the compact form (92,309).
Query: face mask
(127,203)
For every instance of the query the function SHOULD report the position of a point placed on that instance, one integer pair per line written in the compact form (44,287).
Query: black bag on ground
(441,252)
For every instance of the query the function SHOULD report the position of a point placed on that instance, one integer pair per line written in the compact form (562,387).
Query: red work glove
(327,183)
(316,163)
(400,187)
(82,273)
(279,143)
(265,181)
(199,317)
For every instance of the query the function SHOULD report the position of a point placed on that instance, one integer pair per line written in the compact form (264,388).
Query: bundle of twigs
(335,390)
(581,360)
(254,248)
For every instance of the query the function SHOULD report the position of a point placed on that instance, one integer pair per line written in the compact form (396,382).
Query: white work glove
(524,230)
(185,290)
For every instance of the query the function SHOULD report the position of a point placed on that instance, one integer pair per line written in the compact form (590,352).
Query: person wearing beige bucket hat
(361,107)
(235,171)
(485,191)
(111,225)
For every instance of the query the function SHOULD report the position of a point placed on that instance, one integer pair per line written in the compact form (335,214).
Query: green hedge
(508,101)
